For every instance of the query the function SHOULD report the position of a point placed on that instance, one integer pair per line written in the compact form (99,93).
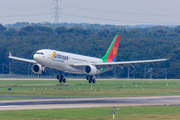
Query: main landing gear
(91,79)
(61,78)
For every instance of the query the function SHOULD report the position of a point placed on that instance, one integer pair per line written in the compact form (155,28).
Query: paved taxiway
(87,102)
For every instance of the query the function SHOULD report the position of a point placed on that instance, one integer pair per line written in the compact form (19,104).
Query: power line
(106,19)
(96,10)
(81,16)
(25,15)
(19,7)
(126,13)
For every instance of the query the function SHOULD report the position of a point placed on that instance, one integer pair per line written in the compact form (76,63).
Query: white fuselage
(63,61)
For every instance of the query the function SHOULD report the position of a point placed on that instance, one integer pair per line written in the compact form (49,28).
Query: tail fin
(111,54)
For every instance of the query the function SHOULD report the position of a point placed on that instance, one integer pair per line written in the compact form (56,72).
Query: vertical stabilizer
(111,54)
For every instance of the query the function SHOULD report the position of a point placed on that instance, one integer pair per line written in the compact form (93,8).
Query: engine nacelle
(36,68)
(90,70)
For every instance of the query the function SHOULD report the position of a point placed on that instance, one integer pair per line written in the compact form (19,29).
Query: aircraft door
(49,55)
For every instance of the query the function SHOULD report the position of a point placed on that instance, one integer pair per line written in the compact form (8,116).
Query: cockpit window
(40,53)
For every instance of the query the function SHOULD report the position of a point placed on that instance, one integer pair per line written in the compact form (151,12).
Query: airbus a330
(79,64)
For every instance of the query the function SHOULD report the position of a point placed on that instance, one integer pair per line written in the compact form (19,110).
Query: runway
(87,102)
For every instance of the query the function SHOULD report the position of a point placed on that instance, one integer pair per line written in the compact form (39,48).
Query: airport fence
(47,76)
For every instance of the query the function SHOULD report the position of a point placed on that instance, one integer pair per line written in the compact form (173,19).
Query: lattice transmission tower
(56,10)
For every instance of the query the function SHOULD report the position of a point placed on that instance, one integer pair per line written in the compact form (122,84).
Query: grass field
(111,88)
(15,98)
(125,113)
(108,88)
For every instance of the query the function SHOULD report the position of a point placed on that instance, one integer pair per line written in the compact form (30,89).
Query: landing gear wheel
(94,81)
(87,78)
(61,77)
(89,81)
(60,80)
(64,80)
(90,78)
(58,77)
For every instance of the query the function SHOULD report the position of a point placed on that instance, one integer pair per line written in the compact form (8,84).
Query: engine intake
(36,68)
(90,70)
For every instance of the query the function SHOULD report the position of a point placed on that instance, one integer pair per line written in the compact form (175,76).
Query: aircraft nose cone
(35,57)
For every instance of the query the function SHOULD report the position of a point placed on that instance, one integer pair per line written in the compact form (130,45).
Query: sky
(114,12)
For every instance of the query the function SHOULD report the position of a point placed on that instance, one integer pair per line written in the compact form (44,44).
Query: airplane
(79,64)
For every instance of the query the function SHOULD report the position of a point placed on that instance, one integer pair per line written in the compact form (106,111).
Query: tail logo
(114,51)
(111,54)
(53,55)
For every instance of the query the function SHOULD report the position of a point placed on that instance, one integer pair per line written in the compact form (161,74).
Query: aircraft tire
(87,78)
(64,80)
(60,81)
(89,81)
(94,81)
(58,77)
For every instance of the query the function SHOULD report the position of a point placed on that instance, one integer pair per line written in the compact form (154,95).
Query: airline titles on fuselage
(60,58)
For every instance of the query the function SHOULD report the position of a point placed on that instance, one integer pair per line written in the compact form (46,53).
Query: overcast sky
(117,12)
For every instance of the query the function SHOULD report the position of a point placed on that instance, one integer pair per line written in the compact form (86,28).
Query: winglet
(10,55)
(170,57)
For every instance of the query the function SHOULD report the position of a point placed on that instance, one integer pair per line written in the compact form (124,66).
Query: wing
(119,64)
(21,59)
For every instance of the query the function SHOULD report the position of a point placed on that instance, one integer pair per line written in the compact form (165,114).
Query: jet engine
(38,69)
(90,70)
